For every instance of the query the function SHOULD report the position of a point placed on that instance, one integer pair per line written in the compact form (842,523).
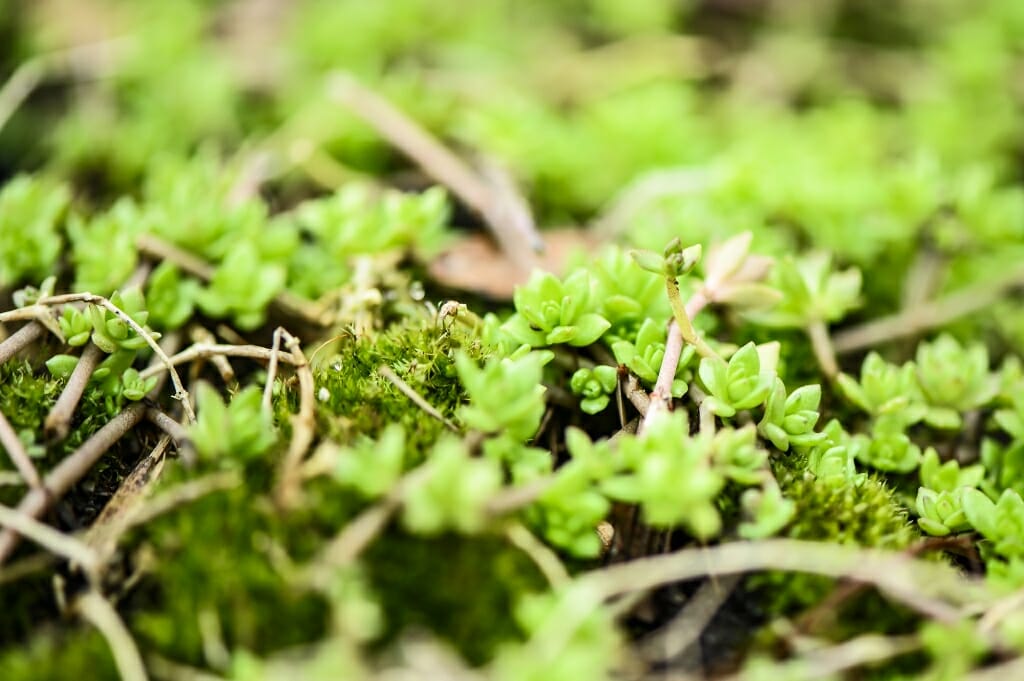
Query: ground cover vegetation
(576,339)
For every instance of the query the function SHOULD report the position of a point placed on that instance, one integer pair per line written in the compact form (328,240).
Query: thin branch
(857,652)
(923,586)
(182,494)
(19,86)
(201,334)
(58,421)
(205,350)
(112,522)
(19,456)
(417,399)
(161,250)
(98,611)
(303,423)
(679,635)
(439,163)
(50,539)
(824,352)
(543,557)
(19,340)
(70,470)
(176,431)
(661,396)
(275,352)
(929,315)
(180,393)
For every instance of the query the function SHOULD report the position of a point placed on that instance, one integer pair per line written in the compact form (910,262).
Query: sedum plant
(551,312)
(644,356)
(736,385)
(953,380)
(505,395)
(595,387)
(30,212)
(790,419)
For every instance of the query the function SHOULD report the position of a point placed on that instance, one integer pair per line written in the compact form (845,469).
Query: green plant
(595,386)
(238,431)
(791,419)
(242,286)
(30,212)
(953,380)
(738,384)
(644,356)
(505,394)
(549,312)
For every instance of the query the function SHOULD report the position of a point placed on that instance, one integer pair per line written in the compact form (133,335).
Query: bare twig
(417,399)
(636,394)
(50,539)
(70,470)
(19,340)
(543,557)
(58,421)
(112,522)
(201,334)
(268,389)
(303,424)
(19,457)
(98,611)
(929,315)
(926,587)
(176,431)
(824,352)
(180,393)
(441,164)
(661,396)
(826,663)
(679,635)
(159,249)
(19,86)
(204,350)
(184,493)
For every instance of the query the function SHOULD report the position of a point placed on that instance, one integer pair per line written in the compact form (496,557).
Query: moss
(462,589)
(867,514)
(71,652)
(360,402)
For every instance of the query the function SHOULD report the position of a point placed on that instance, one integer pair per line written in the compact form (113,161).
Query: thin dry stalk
(50,539)
(58,421)
(543,557)
(275,352)
(206,350)
(69,471)
(303,425)
(417,399)
(18,455)
(514,234)
(98,611)
(19,340)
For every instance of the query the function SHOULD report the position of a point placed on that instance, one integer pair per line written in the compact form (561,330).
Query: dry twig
(58,421)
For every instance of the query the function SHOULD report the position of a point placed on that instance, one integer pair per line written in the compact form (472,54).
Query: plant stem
(929,315)
(19,340)
(19,457)
(928,588)
(58,421)
(417,399)
(70,470)
(98,611)
(50,539)
(203,350)
(824,352)
(303,425)
(682,319)
(662,393)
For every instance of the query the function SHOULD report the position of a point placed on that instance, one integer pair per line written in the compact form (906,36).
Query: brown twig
(511,232)
(201,334)
(417,399)
(19,340)
(928,315)
(857,652)
(824,351)
(50,539)
(58,421)
(176,431)
(661,396)
(928,588)
(98,611)
(161,250)
(18,455)
(180,393)
(275,352)
(205,350)
(70,470)
(303,424)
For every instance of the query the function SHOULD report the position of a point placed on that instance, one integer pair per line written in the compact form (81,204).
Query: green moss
(71,652)
(355,400)
(462,589)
